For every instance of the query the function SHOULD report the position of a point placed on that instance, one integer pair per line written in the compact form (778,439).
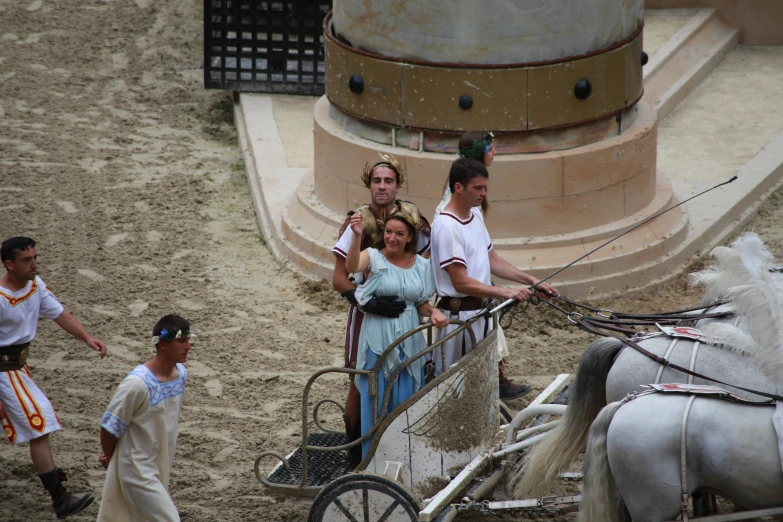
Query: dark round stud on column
(356,84)
(582,89)
(645,58)
(465,102)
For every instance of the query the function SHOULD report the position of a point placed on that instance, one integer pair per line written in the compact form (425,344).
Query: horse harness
(609,323)
(693,391)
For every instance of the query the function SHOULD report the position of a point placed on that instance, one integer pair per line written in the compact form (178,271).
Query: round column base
(546,209)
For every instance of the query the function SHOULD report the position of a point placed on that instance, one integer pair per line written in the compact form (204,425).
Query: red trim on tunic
(452,216)
(16,300)
(352,331)
(34,418)
(453,260)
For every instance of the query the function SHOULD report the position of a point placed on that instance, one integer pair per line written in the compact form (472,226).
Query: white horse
(609,370)
(635,449)
(658,449)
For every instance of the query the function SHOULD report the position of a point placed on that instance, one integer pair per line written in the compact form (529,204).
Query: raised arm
(357,261)
(68,322)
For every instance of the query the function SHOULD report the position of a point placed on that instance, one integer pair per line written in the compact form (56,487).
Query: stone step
(680,64)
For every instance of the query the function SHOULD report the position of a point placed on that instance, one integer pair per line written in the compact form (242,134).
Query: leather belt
(13,357)
(461,304)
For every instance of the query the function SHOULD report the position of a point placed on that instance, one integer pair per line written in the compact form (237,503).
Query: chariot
(442,451)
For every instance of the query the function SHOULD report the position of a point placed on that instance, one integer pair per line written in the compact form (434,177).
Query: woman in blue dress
(394,270)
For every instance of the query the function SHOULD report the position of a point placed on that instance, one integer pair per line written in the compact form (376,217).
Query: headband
(387,161)
(167,336)
(407,217)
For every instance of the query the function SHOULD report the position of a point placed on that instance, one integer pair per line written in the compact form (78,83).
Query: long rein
(606,323)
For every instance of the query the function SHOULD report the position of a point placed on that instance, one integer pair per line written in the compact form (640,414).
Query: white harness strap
(684,459)
(665,356)
(695,353)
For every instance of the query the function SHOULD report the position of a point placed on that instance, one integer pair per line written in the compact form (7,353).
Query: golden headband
(387,161)
(407,217)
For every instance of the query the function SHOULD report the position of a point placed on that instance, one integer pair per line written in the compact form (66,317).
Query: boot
(353,433)
(65,503)
(509,390)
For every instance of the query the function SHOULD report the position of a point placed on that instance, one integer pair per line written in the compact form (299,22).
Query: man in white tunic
(463,262)
(139,431)
(26,413)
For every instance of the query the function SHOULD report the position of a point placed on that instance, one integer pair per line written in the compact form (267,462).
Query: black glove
(386,306)
(350,297)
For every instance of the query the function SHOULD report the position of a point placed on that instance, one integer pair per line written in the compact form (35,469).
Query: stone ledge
(686,59)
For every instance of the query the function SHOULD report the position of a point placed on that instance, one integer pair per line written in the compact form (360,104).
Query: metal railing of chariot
(305,487)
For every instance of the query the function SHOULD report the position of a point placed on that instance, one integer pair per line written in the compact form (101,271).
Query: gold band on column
(457,97)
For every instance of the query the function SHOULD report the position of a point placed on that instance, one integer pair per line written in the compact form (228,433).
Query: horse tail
(600,499)
(537,472)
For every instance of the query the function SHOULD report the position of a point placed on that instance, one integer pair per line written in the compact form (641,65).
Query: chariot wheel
(361,497)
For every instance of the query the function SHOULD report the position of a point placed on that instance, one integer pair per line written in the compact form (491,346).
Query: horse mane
(742,275)
(722,275)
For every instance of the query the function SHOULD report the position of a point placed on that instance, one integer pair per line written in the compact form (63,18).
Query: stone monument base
(546,209)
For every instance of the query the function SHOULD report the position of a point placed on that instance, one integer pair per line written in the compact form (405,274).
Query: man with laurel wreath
(383,179)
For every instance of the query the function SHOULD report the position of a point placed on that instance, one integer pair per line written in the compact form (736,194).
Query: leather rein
(608,323)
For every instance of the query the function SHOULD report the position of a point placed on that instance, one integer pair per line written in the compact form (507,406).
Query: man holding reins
(383,179)
(463,262)
(26,413)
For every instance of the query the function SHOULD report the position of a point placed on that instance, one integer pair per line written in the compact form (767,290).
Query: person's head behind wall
(468,182)
(384,179)
(171,336)
(478,145)
(18,255)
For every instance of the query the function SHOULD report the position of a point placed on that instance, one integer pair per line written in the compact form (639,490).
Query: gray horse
(608,371)
(635,449)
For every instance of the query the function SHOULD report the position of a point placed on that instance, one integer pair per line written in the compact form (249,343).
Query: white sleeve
(447,246)
(50,306)
(344,243)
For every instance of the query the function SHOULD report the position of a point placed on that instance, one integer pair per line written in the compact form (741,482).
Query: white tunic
(144,416)
(19,311)
(465,242)
(460,241)
(29,414)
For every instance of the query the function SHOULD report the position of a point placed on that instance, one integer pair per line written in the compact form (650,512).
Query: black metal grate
(323,466)
(257,46)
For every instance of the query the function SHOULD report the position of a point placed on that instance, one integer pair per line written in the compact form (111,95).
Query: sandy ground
(129,176)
